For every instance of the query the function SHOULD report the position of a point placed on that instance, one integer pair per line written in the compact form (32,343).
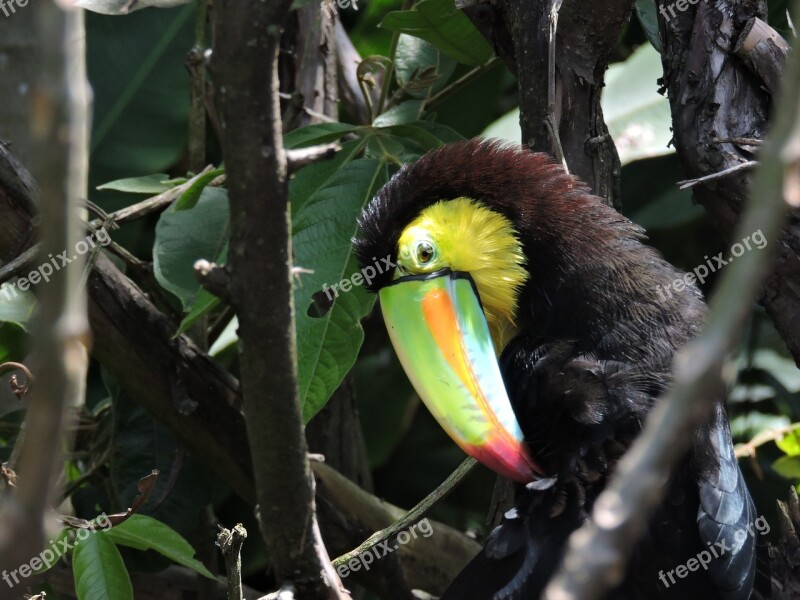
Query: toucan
(533,322)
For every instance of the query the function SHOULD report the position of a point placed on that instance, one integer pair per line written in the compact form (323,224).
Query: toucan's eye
(425,252)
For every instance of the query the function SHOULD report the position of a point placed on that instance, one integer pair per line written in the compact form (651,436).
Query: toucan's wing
(726,516)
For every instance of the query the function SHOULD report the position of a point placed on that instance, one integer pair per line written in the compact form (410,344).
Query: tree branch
(714,96)
(245,69)
(585,37)
(598,552)
(60,359)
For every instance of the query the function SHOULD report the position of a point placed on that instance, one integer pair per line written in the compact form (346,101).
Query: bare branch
(230,543)
(714,96)
(299,158)
(687,183)
(245,69)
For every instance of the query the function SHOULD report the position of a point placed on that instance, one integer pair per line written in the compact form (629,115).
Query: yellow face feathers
(466,236)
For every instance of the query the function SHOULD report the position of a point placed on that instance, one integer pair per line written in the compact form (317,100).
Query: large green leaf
(98,568)
(328,344)
(311,177)
(140,88)
(146,533)
(443,25)
(141,95)
(638,117)
(184,236)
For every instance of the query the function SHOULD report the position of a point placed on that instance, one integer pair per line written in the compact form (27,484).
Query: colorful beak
(440,334)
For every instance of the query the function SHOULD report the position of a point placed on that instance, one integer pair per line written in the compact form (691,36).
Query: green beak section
(441,337)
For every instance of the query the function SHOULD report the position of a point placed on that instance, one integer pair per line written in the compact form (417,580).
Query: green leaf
(147,184)
(136,69)
(311,177)
(49,557)
(420,68)
(788,466)
(443,25)
(648,19)
(16,306)
(190,197)
(321,133)
(790,443)
(183,237)
(405,112)
(146,533)
(98,568)
(327,345)
(638,117)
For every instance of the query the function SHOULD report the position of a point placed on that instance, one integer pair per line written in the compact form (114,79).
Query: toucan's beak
(440,334)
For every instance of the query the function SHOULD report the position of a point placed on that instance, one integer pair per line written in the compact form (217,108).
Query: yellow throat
(466,236)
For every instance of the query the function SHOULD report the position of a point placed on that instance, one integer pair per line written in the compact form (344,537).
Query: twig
(298,158)
(748,449)
(687,183)
(150,205)
(230,543)
(598,552)
(742,141)
(195,62)
(412,516)
(17,388)
(550,118)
